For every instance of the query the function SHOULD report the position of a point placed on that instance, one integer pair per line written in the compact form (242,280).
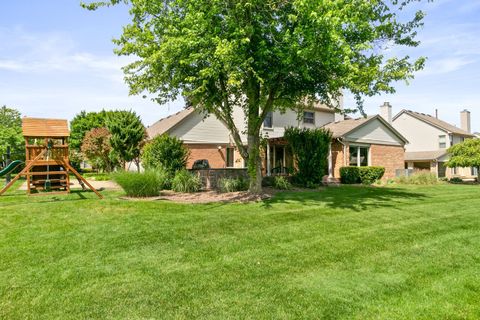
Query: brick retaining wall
(210,177)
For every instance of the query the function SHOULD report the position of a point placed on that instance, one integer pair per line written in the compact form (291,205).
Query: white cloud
(445,65)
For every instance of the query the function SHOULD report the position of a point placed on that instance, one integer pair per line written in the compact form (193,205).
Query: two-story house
(429,139)
(358,142)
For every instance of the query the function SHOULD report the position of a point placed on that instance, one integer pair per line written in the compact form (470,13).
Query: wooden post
(69,167)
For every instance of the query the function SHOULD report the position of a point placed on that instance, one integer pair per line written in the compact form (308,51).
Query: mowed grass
(338,253)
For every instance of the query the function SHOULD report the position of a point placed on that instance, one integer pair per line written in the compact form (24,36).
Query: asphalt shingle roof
(435,122)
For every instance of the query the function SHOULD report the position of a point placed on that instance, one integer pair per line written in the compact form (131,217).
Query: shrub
(281,183)
(232,184)
(310,150)
(421,178)
(364,175)
(185,181)
(368,175)
(455,180)
(165,152)
(146,184)
(349,175)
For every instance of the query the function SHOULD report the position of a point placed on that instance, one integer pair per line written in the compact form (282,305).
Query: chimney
(436,113)
(386,112)
(465,122)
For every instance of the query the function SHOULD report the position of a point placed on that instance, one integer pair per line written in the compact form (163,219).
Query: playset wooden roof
(49,128)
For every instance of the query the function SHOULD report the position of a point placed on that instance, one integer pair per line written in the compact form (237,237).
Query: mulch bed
(209,196)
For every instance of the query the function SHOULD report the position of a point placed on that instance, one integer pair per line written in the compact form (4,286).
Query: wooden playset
(47,166)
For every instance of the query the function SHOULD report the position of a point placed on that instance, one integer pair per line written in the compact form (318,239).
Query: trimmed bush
(364,175)
(146,184)
(349,175)
(281,183)
(369,175)
(456,180)
(421,178)
(232,184)
(185,181)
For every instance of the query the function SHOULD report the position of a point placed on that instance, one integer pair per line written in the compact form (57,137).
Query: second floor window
(268,122)
(309,117)
(442,141)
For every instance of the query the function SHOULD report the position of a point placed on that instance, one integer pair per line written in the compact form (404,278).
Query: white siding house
(429,139)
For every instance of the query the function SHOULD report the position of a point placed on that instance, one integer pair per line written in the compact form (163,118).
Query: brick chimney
(465,122)
(386,112)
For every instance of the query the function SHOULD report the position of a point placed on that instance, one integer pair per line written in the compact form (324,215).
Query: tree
(264,55)
(11,132)
(82,123)
(465,154)
(97,148)
(165,152)
(310,150)
(127,135)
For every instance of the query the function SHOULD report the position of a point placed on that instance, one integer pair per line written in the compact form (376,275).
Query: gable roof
(166,124)
(440,124)
(51,128)
(342,128)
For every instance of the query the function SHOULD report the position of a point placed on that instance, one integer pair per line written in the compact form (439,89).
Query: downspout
(330,163)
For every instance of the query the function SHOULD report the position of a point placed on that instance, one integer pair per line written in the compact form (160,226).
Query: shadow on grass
(356,198)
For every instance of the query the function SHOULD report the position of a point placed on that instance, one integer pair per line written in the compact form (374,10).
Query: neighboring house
(365,141)
(429,139)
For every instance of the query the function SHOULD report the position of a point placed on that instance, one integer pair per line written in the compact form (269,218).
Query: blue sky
(56,59)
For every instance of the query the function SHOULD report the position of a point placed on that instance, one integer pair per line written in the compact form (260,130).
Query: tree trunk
(478,174)
(254,163)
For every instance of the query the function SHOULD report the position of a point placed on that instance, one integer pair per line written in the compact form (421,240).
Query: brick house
(360,142)
(367,141)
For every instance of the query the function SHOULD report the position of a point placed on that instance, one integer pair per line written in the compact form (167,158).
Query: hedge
(364,175)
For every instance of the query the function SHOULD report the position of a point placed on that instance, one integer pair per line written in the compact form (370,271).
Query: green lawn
(340,253)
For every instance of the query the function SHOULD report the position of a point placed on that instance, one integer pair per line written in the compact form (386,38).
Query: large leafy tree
(465,154)
(262,55)
(82,123)
(128,135)
(11,132)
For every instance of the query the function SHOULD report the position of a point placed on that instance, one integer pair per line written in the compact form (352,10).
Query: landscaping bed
(208,196)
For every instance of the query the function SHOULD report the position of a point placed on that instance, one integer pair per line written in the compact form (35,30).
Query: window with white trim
(309,117)
(442,141)
(268,121)
(359,156)
(474,171)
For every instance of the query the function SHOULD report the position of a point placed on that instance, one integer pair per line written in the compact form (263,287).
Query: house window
(474,171)
(442,141)
(359,156)
(309,117)
(229,159)
(268,122)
